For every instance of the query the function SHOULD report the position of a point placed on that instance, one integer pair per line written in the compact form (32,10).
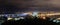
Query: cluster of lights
(56,20)
(13,15)
(34,14)
(9,18)
(15,18)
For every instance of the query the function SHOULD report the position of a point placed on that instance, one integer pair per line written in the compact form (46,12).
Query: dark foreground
(30,22)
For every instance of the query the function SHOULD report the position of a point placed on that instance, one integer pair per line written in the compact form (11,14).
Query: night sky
(12,6)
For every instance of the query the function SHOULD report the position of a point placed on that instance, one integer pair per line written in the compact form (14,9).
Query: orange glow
(53,14)
(44,17)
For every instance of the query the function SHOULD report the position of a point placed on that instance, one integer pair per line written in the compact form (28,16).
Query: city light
(42,15)
(56,20)
(54,14)
(17,18)
(9,18)
(35,14)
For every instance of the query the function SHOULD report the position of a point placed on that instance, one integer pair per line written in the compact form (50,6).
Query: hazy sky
(48,5)
(24,3)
